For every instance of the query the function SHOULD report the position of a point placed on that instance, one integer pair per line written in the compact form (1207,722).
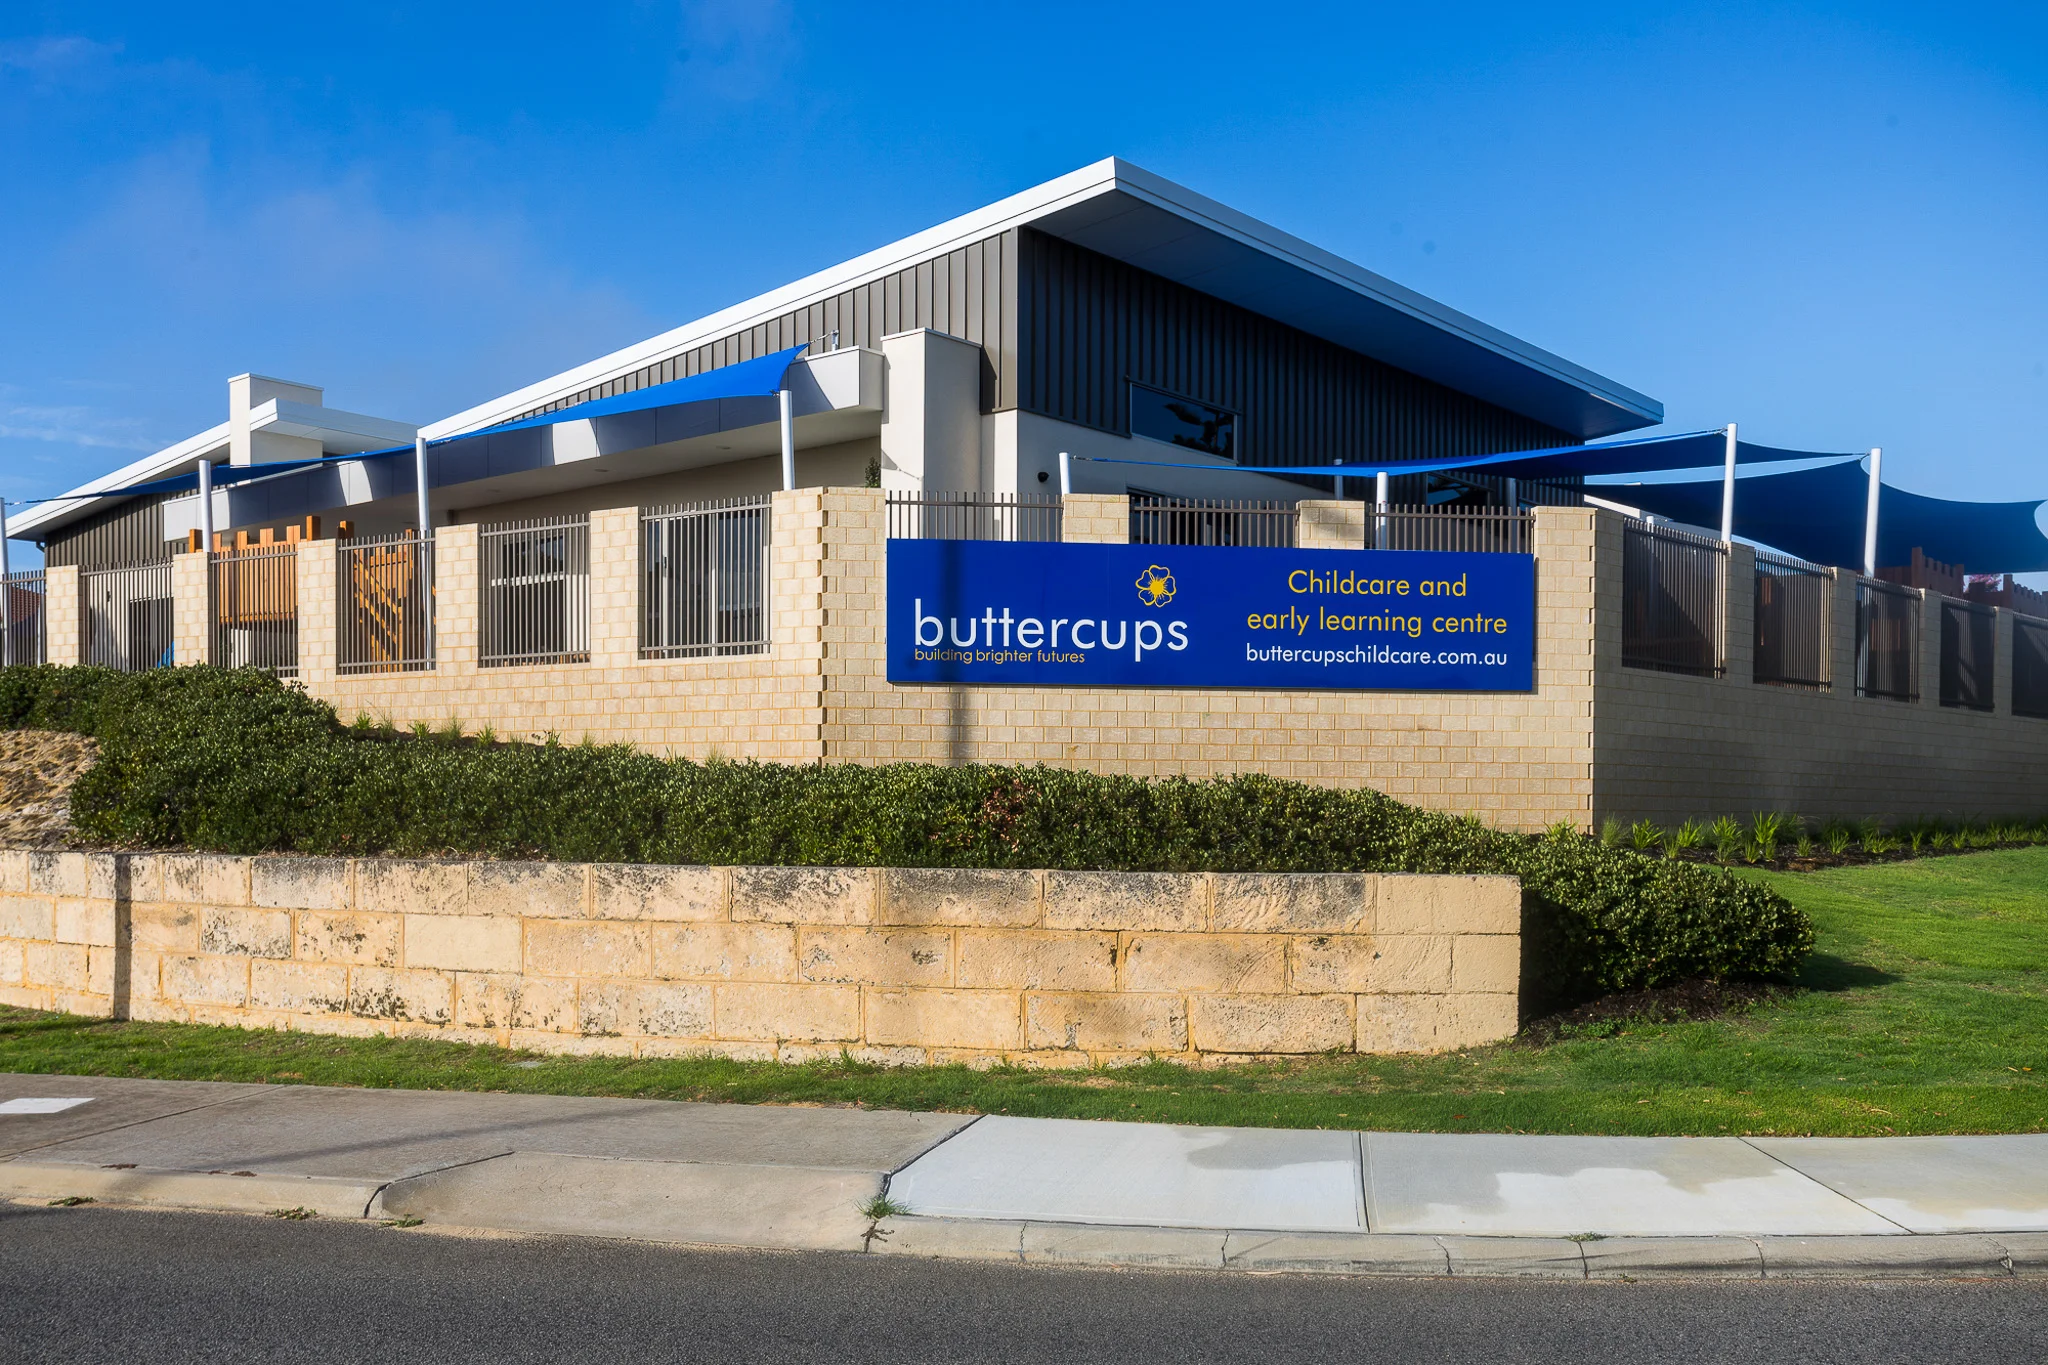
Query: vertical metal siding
(1091,325)
(970,293)
(128,533)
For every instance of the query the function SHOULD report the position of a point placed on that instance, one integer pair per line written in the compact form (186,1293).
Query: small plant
(403,1222)
(1803,846)
(1686,837)
(297,1215)
(486,736)
(882,1206)
(1611,831)
(452,731)
(1645,835)
(1916,835)
(1836,836)
(422,730)
(71,1201)
(1877,841)
(1765,829)
(1726,832)
(364,723)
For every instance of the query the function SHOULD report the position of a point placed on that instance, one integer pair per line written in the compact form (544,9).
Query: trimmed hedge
(235,761)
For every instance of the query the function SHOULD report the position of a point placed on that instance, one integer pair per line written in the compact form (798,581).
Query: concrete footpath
(1041,1191)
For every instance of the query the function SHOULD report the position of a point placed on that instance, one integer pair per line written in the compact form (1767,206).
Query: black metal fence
(1485,530)
(974,516)
(1157,519)
(704,579)
(1792,622)
(24,640)
(535,598)
(1671,593)
(384,609)
(255,592)
(1969,647)
(127,617)
(1887,640)
(2029,667)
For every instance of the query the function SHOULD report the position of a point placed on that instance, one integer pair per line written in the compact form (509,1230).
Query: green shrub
(235,761)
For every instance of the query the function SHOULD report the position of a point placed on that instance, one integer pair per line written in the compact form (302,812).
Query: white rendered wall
(931,427)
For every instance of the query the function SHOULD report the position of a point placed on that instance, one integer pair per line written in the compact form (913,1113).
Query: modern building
(683,544)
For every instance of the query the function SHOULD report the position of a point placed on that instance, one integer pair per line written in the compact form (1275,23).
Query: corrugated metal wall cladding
(1089,325)
(130,533)
(969,293)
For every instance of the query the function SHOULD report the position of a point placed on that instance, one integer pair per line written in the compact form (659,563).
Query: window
(1183,422)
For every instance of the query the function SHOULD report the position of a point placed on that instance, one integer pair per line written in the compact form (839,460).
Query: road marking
(42,1106)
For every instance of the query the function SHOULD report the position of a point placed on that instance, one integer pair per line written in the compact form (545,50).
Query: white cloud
(45,59)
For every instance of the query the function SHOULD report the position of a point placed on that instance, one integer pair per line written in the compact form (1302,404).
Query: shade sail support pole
(1728,489)
(1340,482)
(419,478)
(1870,514)
(1379,500)
(786,406)
(206,504)
(1066,474)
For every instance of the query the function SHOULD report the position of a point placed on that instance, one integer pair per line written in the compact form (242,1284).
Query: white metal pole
(1870,514)
(1379,498)
(788,410)
(206,505)
(1066,473)
(6,596)
(419,478)
(1728,489)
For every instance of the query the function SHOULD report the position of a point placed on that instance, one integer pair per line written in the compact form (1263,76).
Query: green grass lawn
(1923,1010)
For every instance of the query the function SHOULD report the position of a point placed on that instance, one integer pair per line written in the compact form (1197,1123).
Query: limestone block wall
(894,965)
(1670,747)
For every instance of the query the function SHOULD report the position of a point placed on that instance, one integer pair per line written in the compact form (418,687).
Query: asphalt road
(94,1284)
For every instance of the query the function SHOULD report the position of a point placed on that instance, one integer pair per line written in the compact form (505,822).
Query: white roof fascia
(329,425)
(23,526)
(1018,209)
(1221,218)
(1111,174)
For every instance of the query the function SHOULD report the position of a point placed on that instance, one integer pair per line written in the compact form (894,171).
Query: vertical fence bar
(254,591)
(384,605)
(127,617)
(1672,584)
(1157,519)
(704,579)
(1792,622)
(535,578)
(974,516)
(26,594)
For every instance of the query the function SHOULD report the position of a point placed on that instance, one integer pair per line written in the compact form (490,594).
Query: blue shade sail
(1817,514)
(757,378)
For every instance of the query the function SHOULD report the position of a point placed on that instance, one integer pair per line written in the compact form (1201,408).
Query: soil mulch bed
(1686,1001)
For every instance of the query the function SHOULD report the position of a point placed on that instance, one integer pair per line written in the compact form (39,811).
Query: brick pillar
(614,587)
(63,623)
(455,599)
(798,590)
(1096,519)
(192,607)
(1332,525)
(1930,647)
(317,589)
(1738,615)
(1573,583)
(2001,663)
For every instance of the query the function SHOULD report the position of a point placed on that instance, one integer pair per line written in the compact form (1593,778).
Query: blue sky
(1827,223)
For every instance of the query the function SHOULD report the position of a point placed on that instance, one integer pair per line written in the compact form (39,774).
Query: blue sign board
(1055,615)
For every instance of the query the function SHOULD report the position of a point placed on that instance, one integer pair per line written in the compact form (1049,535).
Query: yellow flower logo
(1155,586)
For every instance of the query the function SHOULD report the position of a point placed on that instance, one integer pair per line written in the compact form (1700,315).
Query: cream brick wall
(1670,747)
(191,608)
(63,628)
(893,964)
(1521,760)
